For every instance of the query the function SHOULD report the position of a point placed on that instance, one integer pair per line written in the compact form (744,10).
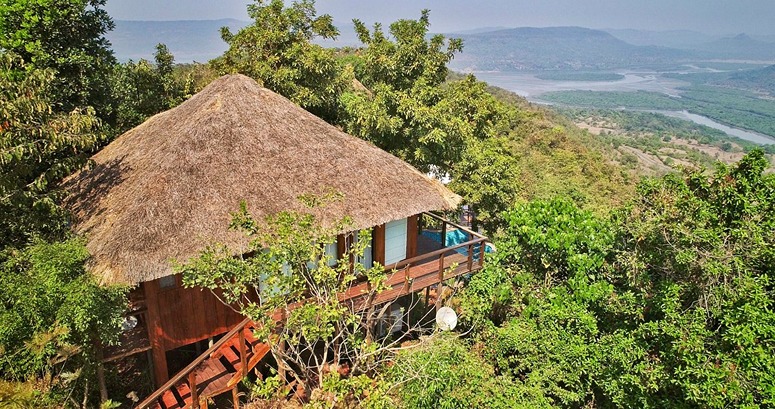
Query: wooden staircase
(215,372)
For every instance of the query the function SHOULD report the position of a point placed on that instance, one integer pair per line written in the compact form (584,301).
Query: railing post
(192,386)
(481,253)
(407,278)
(440,286)
(443,234)
(242,358)
(470,257)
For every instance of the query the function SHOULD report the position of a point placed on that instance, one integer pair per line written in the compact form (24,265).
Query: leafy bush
(445,373)
(51,310)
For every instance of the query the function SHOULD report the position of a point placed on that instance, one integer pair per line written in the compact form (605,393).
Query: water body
(750,136)
(530,87)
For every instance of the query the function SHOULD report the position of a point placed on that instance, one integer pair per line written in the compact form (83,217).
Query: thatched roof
(164,189)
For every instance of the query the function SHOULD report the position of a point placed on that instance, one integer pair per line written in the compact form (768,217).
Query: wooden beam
(412,231)
(235,398)
(379,244)
(341,246)
(156,333)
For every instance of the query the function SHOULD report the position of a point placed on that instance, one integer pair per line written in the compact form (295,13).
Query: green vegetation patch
(733,107)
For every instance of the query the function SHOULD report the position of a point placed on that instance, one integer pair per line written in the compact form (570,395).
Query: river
(750,136)
(531,87)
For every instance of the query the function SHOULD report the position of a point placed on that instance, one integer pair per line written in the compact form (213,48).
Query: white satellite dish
(129,323)
(446,319)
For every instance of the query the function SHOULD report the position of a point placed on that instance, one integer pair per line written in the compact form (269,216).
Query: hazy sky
(710,16)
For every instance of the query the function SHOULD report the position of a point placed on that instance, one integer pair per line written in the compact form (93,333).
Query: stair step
(249,337)
(184,391)
(233,358)
(259,352)
(222,363)
(170,401)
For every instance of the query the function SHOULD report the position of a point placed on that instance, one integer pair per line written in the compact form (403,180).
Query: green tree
(51,314)
(142,89)
(38,147)
(699,252)
(66,36)
(670,304)
(444,372)
(276,50)
(406,108)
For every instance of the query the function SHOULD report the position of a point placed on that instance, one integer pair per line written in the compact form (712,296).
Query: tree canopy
(276,50)
(66,36)
(39,146)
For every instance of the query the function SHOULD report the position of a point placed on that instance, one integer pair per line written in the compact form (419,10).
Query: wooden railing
(447,222)
(188,372)
(418,273)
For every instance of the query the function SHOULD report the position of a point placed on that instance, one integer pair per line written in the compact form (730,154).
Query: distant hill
(741,47)
(478,30)
(556,48)
(672,38)
(188,40)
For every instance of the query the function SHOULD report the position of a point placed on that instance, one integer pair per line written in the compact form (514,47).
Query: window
(168,282)
(331,252)
(367,260)
(395,241)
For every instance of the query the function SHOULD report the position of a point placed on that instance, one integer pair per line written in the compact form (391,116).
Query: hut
(164,190)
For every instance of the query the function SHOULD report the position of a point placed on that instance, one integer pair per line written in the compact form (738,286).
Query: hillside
(740,46)
(556,48)
(671,38)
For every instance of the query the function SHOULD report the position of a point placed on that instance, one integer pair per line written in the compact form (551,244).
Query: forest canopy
(606,290)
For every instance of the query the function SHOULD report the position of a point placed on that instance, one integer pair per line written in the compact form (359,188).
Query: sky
(708,16)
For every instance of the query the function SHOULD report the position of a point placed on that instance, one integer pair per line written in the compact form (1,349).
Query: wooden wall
(179,316)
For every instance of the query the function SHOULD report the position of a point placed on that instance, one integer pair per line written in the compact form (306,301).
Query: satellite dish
(129,323)
(446,319)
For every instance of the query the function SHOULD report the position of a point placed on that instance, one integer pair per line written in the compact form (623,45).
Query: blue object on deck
(455,237)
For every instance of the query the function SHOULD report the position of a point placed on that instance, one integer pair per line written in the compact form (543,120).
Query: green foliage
(38,147)
(739,108)
(556,241)
(668,305)
(541,157)
(360,392)
(742,77)
(141,90)
(66,36)
(704,231)
(52,310)
(445,373)
(407,109)
(276,50)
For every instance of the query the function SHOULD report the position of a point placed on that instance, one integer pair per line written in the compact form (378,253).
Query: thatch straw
(164,189)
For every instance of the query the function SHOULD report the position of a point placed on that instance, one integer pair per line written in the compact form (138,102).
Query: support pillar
(156,333)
